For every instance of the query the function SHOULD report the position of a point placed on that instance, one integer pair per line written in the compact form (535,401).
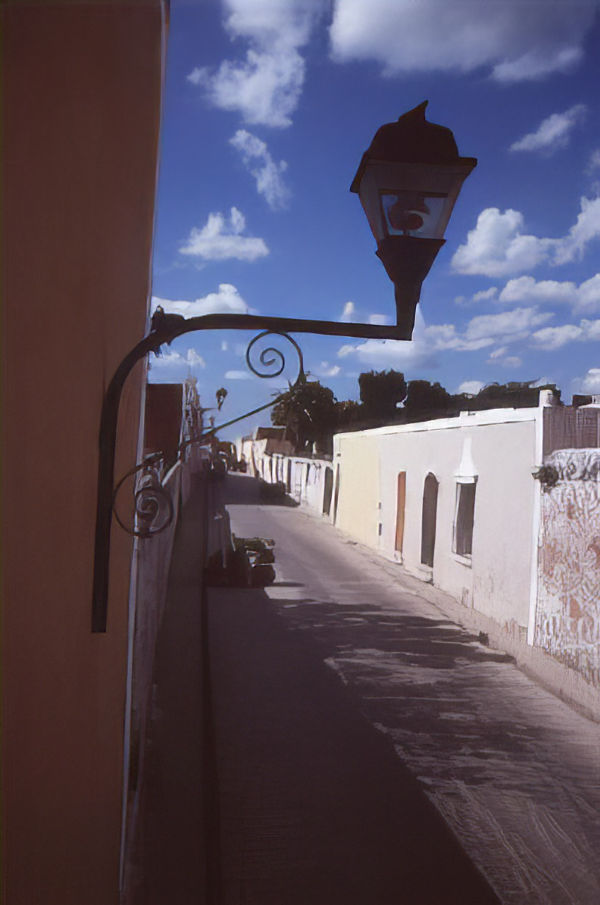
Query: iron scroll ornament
(153,507)
(164,328)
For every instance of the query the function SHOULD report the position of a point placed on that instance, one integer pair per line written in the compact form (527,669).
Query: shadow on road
(315,805)
(244,490)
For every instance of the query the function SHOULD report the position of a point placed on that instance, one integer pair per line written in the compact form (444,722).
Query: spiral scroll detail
(272,360)
(153,506)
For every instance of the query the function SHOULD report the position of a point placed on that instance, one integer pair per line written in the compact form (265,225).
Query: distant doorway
(428,524)
(336,494)
(328,491)
(400,507)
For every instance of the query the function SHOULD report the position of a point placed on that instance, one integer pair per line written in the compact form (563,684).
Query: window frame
(464,532)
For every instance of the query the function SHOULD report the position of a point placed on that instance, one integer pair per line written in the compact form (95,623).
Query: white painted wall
(496,579)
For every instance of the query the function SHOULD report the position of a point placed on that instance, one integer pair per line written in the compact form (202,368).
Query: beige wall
(496,579)
(358,492)
(81,93)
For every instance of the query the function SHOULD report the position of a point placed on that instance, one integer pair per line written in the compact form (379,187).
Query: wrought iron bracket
(164,329)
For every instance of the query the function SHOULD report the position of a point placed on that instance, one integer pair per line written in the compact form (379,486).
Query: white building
(456,500)
(498,508)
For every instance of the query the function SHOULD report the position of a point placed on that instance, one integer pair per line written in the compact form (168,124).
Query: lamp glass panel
(413,213)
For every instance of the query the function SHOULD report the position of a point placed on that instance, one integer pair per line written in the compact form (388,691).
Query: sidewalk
(168,863)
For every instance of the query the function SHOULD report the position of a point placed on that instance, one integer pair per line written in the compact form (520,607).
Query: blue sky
(268,107)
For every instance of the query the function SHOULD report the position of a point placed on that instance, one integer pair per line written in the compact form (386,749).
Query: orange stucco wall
(81,87)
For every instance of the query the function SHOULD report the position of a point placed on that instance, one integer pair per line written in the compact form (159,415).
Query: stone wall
(568,605)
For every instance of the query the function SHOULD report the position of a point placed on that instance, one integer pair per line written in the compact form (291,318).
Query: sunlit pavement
(514,771)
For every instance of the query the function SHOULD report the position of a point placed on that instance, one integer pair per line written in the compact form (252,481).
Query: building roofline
(464,419)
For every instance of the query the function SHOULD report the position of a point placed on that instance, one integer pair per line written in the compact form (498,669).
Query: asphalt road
(514,772)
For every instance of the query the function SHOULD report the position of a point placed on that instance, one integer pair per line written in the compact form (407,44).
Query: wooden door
(400,507)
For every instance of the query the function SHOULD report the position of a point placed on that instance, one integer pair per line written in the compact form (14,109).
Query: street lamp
(408,182)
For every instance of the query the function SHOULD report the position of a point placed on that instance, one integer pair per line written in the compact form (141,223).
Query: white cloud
(594,161)
(518,40)
(193,358)
(486,294)
(401,355)
(381,353)
(591,382)
(553,133)
(265,87)
(509,326)
(498,247)
(591,329)
(480,332)
(196,76)
(471,387)
(220,241)
(260,164)
(587,227)
(349,313)
(171,358)
(225,299)
(428,341)
(325,369)
(500,357)
(524,290)
(537,64)
(238,375)
(551,338)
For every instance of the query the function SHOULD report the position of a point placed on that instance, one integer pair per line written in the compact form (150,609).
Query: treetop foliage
(312,414)
(307,410)
(381,392)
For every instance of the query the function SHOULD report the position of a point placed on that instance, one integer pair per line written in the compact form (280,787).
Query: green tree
(308,411)
(425,398)
(347,414)
(515,394)
(380,393)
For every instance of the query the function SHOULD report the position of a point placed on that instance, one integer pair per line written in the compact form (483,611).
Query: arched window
(464,518)
(328,490)
(428,524)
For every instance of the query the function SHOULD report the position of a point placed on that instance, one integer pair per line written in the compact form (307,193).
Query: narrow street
(514,772)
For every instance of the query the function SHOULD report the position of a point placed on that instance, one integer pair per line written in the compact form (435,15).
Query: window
(429,520)
(464,518)
(400,507)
